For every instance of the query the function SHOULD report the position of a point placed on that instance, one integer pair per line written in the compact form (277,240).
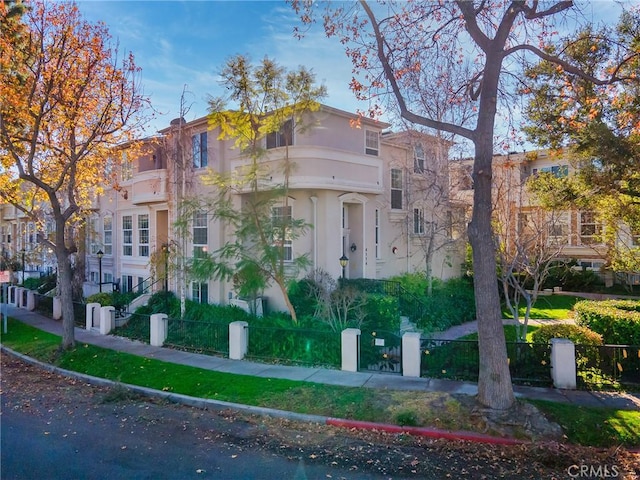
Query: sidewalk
(624,401)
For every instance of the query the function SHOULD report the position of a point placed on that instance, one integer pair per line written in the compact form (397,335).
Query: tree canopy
(67,100)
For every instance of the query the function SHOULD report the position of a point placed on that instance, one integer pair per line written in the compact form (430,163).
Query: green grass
(597,427)
(601,427)
(548,308)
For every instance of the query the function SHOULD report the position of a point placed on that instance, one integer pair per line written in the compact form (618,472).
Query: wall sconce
(394,250)
(353,247)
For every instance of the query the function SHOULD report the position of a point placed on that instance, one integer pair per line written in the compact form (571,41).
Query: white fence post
(563,363)
(411,354)
(159,329)
(238,340)
(31,300)
(19,297)
(107,319)
(350,343)
(92,315)
(57,308)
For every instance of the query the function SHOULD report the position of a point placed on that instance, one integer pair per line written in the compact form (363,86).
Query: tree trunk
(66,297)
(494,380)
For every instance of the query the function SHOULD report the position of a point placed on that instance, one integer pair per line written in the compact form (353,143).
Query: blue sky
(180,43)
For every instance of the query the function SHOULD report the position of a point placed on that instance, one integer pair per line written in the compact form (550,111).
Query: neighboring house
(575,234)
(19,244)
(365,192)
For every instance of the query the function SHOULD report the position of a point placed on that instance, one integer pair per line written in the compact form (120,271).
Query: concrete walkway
(322,375)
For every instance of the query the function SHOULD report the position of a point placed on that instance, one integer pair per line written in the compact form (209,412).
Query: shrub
(382,312)
(104,299)
(618,321)
(452,303)
(575,333)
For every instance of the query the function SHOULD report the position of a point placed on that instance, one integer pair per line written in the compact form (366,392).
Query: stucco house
(377,197)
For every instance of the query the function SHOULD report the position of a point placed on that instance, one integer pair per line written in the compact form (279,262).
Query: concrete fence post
(107,319)
(57,308)
(238,340)
(563,363)
(92,315)
(159,329)
(19,297)
(411,354)
(31,300)
(350,346)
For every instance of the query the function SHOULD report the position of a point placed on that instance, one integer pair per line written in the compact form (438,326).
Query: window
(590,228)
(200,292)
(635,238)
(126,167)
(143,235)
(558,171)
(418,221)
(127,235)
(200,234)
(94,277)
(396,189)
(418,159)
(108,278)
(558,229)
(371,142)
(199,148)
(94,237)
(127,283)
(377,232)
(281,220)
(107,235)
(282,137)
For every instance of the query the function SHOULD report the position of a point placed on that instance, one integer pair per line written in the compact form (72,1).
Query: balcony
(323,168)
(149,187)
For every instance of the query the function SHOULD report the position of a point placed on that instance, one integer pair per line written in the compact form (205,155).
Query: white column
(411,354)
(563,363)
(92,315)
(159,329)
(238,340)
(107,319)
(350,340)
(57,308)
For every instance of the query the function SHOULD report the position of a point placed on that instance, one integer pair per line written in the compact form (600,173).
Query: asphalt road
(55,428)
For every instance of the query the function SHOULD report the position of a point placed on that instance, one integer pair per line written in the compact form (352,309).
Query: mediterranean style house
(377,198)
(568,235)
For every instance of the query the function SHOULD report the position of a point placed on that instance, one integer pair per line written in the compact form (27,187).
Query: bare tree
(402,48)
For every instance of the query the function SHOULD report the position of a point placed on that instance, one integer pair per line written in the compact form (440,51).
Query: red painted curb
(426,432)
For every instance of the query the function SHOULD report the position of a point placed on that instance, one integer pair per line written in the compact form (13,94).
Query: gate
(380,351)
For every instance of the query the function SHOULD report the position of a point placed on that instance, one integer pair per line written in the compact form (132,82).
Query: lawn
(422,408)
(548,307)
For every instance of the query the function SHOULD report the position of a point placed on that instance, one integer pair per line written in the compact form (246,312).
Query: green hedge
(575,333)
(618,321)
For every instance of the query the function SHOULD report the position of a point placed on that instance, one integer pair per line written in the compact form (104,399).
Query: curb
(203,403)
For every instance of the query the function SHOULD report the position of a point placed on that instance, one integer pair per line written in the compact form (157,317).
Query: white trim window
(126,167)
(418,158)
(282,137)
(558,229)
(281,217)
(200,292)
(396,189)
(590,229)
(418,221)
(371,142)
(199,150)
(107,235)
(200,234)
(143,235)
(127,236)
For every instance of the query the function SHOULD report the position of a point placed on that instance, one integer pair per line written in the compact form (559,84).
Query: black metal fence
(44,305)
(608,367)
(295,346)
(198,336)
(529,363)
(136,327)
